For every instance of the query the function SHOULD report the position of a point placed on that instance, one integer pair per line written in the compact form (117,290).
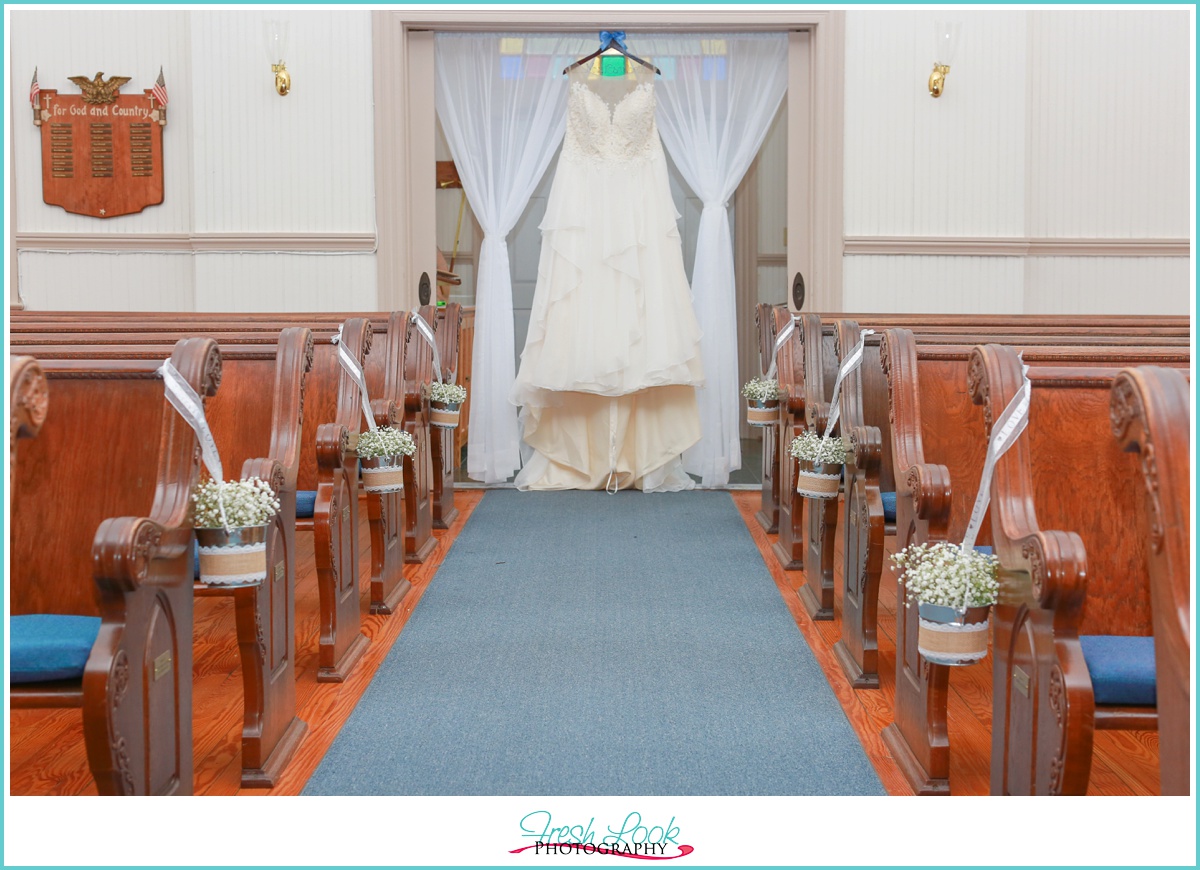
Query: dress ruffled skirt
(612,358)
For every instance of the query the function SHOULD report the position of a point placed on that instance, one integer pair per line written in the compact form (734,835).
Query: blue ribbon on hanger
(608,37)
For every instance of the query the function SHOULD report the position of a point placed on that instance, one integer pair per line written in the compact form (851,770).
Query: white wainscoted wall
(269,201)
(1052,176)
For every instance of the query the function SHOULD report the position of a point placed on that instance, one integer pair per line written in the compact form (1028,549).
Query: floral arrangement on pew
(381,454)
(954,588)
(821,460)
(762,401)
(444,403)
(231,520)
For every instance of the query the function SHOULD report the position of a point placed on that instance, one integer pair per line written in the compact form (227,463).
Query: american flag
(35,90)
(160,88)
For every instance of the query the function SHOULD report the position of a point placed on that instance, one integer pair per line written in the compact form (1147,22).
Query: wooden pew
(419,541)
(331,404)
(77,513)
(1155,328)
(447,327)
(1150,414)
(335,518)
(137,329)
(932,433)
(871,486)
(808,367)
(770,320)
(258,431)
(806,384)
(242,418)
(1064,499)
(386,511)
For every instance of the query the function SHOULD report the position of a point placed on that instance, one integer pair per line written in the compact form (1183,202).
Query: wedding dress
(612,358)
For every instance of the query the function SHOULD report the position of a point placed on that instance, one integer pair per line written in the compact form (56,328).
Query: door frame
(405,171)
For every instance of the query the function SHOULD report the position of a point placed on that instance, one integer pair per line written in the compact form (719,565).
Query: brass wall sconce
(945,44)
(276,35)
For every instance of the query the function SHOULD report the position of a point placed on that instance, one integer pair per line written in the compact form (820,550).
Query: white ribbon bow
(427,333)
(350,364)
(189,405)
(849,364)
(784,335)
(1004,434)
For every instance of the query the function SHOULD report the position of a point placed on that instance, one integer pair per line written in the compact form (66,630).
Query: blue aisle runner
(577,643)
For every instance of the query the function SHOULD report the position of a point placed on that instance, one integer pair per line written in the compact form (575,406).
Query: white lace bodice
(619,132)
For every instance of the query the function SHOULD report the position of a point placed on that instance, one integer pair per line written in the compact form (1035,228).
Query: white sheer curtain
(502,103)
(716,99)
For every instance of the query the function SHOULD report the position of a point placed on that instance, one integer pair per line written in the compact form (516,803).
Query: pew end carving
(802,384)
(135,688)
(1044,700)
(447,327)
(341,642)
(265,612)
(419,541)
(1150,416)
(386,511)
(770,320)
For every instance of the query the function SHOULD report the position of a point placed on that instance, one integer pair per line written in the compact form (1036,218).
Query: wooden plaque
(101,160)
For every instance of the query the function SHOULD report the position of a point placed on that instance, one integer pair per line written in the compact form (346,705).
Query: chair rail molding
(283,243)
(1013,246)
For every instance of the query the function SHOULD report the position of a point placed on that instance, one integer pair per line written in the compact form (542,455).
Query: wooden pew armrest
(928,485)
(125,546)
(270,470)
(865,451)
(333,443)
(387,413)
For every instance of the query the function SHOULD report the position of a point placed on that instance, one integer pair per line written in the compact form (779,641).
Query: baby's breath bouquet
(250,502)
(762,390)
(449,394)
(385,441)
(819,449)
(945,574)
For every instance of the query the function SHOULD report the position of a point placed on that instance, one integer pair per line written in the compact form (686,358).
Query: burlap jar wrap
(762,414)
(443,415)
(386,476)
(232,558)
(954,643)
(812,481)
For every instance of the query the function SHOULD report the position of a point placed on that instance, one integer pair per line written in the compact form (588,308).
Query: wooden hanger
(614,39)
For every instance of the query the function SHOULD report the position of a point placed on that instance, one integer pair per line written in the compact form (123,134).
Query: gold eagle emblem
(97,91)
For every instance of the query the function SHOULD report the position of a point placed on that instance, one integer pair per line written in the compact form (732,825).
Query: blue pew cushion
(50,647)
(306,502)
(1122,669)
(987,551)
(889,506)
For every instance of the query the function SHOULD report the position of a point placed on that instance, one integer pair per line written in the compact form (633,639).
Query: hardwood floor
(1124,762)
(47,745)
